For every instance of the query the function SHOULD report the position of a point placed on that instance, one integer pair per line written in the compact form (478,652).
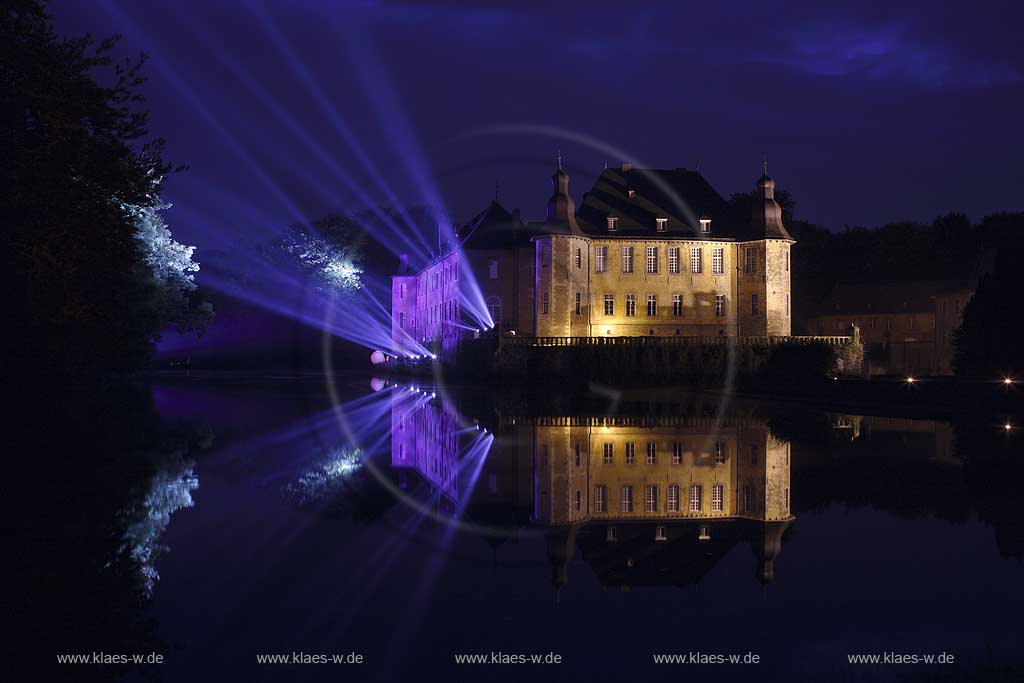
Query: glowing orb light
(377,357)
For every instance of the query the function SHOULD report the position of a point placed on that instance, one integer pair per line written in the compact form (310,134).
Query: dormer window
(631,193)
(662,224)
(613,224)
(705,225)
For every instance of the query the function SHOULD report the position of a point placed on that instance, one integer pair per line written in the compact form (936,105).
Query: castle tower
(561,267)
(765,307)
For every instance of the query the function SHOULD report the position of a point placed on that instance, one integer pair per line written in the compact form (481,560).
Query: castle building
(649,252)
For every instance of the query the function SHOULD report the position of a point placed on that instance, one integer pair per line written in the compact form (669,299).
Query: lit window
(579,258)
(577,458)
(662,224)
(717,495)
(750,259)
(630,305)
(677,305)
(578,303)
(545,255)
(719,453)
(652,305)
(659,533)
(696,505)
(609,453)
(673,498)
(545,306)
(609,304)
(651,498)
(754,304)
(652,259)
(696,260)
(632,193)
(718,261)
(652,453)
(401,320)
(720,305)
(627,259)
(612,224)
(600,259)
(612,534)
(579,501)
(705,225)
(748,499)
(492,269)
(673,259)
(677,453)
(600,498)
(630,452)
(402,288)
(626,504)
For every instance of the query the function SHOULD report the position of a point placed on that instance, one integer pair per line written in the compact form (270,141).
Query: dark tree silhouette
(73,142)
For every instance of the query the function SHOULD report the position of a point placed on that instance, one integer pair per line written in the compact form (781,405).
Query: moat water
(412,525)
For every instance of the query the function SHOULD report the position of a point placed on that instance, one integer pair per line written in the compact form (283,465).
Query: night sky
(866,115)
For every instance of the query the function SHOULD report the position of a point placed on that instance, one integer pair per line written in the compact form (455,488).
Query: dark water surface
(797,535)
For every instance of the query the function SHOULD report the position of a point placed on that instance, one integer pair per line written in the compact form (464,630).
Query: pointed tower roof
(766,215)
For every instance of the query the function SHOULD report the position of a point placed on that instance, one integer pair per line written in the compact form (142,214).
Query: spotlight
(1007,426)
(911,380)
(1007,381)
(433,394)
(433,356)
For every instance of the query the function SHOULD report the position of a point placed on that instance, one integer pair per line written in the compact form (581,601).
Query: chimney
(403,264)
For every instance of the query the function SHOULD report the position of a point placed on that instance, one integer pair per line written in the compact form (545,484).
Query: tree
(987,344)
(76,155)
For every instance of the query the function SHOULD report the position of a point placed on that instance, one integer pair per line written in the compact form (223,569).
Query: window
(609,453)
(578,303)
(750,260)
(720,305)
(673,498)
(659,533)
(651,498)
(696,260)
(545,255)
(401,320)
(609,304)
(662,224)
(652,453)
(492,269)
(494,308)
(717,260)
(600,259)
(677,305)
(748,499)
(579,500)
(695,498)
(753,453)
(630,305)
(612,534)
(652,259)
(787,305)
(717,493)
(626,504)
(576,459)
(719,453)
(673,259)
(600,498)
(402,289)
(630,452)
(612,224)
(545,305)
(627,259)
(579,258)
(652,305)
(753,304)
(705,225)
(677,453)
(787,259)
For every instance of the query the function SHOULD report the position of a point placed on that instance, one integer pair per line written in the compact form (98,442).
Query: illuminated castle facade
(649,252)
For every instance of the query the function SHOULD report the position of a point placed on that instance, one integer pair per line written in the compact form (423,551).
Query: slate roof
(917,296)
(493,228)
(680,195)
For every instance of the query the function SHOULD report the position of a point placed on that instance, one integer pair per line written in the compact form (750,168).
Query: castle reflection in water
(646,501)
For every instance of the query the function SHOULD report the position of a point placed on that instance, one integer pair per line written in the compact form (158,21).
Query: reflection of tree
(111,473)
(341,485)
